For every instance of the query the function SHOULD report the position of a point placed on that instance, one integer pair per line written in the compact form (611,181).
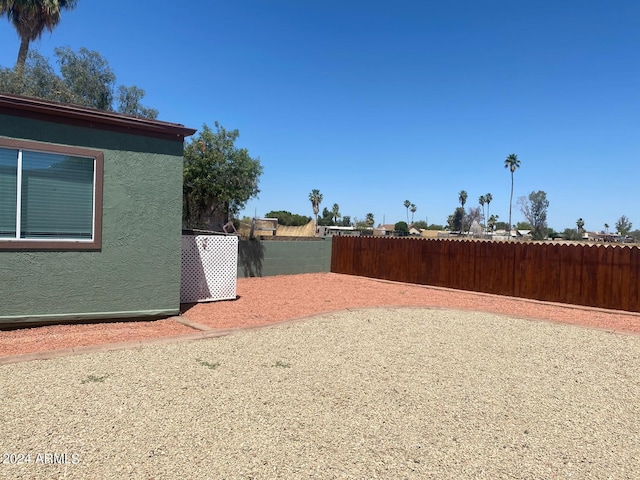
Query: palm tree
(512,163)
(369,220)
(482,200)
(30,18)
(580,225)
(488,198)
(407,204)
(462,198)
(606,228)
(315,197)
(413,211)
(335,212)
(493,219)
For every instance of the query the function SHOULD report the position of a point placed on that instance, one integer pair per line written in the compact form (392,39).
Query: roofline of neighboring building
(38,109)
(337,227)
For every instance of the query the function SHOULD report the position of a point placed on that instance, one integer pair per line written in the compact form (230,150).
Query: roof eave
(75,115)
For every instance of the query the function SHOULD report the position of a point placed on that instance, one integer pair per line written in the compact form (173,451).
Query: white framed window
(50,196)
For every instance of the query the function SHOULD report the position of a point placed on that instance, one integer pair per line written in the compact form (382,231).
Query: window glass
(8,192)
(57,196)
(50,196)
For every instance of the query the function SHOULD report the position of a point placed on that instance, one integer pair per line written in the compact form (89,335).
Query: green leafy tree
(346,221)
(219,178)
(86,79)
(288,218)
(552,234)
(88,76)
(315,197)
(326,218)
(420,224)
(580,225)
(534,208)
(31,18)
(502,226)
(38,80)
(401,228)
(360,224)
(623,225)
(571,234)
(129,102)
(512,163)
(524,226)
(454,221)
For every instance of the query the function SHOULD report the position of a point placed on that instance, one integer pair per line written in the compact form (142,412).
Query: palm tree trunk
(510,202)
(22,56)
(485,218)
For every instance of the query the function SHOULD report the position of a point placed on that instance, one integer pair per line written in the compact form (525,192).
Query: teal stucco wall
(137,271)
(263,258)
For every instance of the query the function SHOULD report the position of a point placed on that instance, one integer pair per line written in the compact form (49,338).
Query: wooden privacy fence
(603,276)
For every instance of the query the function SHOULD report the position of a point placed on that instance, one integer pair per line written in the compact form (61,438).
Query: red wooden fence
(597,275)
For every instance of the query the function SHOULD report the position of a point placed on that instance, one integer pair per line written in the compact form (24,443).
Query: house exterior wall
(137,271)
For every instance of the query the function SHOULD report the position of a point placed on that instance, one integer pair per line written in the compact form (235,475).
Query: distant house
(333,230)
(504,235)
(384,230)
(433,233)
(90,213)
(603,237)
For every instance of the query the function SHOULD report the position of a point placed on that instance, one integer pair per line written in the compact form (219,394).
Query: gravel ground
(268,300)
(381,393)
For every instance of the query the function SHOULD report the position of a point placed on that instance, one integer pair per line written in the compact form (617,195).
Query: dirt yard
(263,301)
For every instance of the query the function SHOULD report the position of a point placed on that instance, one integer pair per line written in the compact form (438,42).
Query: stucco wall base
(19,320)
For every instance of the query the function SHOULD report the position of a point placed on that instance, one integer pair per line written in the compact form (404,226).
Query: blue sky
(376,102)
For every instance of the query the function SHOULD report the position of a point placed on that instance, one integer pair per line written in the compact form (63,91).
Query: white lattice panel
(209,268)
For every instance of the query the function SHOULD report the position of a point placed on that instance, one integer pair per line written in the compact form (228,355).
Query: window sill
(42,245)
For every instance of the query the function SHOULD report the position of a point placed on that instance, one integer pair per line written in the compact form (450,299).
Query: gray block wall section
(264,258)
(137,272)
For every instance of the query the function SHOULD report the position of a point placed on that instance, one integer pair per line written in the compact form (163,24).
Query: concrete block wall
(264,258)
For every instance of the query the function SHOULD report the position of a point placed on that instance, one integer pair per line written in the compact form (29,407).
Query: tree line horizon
(533,207)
